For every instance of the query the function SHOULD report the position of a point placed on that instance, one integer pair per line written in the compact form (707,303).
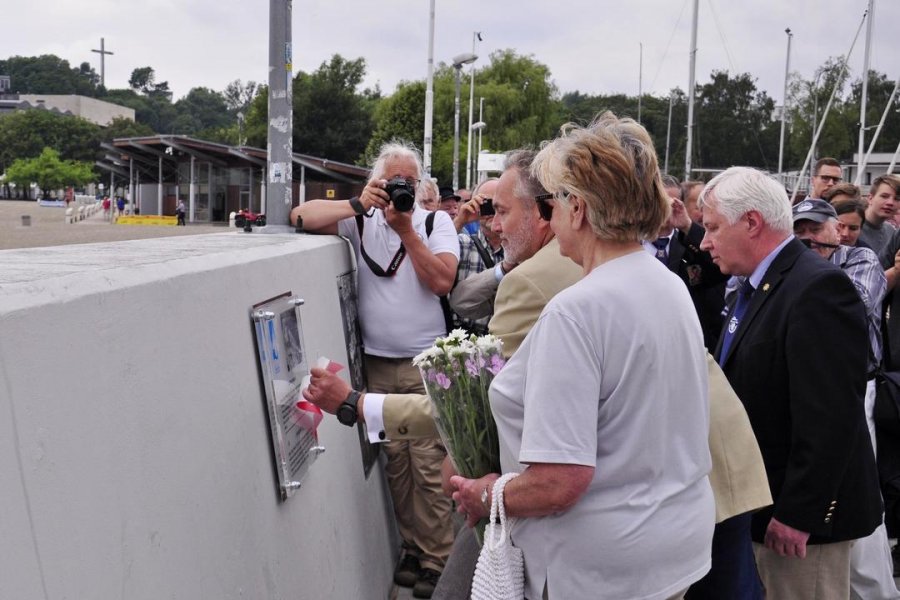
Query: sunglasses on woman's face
(545,209)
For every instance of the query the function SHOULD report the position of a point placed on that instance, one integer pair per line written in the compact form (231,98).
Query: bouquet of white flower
(458,370)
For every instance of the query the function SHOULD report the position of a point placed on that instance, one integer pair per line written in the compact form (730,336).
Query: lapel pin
(766,287)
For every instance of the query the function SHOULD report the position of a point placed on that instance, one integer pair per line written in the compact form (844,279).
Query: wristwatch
(484,497)
(346,412)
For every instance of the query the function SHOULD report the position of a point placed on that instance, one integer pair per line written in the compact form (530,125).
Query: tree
(49,172)
(143,79)
(239,95)
(733,124)
(49,74)
(25,134)
(120,127)
(521,108)
(200,110)
(332,117)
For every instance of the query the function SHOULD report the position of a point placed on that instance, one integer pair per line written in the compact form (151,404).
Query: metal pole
(281,147)
(818,130)
(784,106)
(640,79)
(192,191)
(159,189)
(890,168)
(429,95)
(865,90)
(669,137)
(862,166)
(476,36)
(481,120)
(456,132)
(690,92)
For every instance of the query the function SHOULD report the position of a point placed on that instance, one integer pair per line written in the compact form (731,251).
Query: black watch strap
(347,412)
(358,207)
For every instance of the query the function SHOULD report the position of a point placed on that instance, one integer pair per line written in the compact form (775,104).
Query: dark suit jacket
(705,283)
(798,363)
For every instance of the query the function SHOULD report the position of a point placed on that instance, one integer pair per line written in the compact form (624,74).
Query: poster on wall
(283,363)
(353,342)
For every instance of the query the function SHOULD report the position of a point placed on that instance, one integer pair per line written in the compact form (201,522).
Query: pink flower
(442,380)
(430,376)
(496,364)
(472,367)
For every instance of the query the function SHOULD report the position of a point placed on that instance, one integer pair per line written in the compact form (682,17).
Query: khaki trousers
(823,575)
(413,471)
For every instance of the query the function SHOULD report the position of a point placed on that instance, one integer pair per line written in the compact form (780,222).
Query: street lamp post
(458,62)
(478,126)
(476,37)
(784,106)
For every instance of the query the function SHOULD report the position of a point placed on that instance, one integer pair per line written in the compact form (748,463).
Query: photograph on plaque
(353,341)
(283,365)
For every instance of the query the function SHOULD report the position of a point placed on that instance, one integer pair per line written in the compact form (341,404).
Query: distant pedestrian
(120,205)
(106,205)
(179,212)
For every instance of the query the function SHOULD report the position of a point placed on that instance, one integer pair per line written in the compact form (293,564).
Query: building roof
(146,152)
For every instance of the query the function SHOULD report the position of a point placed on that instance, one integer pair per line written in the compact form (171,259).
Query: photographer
(407,258)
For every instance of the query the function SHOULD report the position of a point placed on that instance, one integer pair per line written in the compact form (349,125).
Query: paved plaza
(49,228)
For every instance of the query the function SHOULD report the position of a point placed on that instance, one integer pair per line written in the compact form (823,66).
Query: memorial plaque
(283,363)
(353,340)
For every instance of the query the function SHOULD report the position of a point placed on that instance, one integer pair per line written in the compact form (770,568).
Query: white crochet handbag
(500,571)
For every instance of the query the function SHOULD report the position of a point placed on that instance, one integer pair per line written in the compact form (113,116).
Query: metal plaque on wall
(283,364)
(353,340)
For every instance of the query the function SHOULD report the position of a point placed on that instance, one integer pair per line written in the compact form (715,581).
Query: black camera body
(402,195)
(487,207)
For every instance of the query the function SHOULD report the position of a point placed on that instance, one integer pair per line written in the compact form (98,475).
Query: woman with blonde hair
(604,408)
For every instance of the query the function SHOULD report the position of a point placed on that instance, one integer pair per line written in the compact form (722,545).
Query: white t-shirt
(613,375)
(399,316)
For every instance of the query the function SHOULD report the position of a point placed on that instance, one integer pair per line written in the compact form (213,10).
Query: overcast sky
(589,45)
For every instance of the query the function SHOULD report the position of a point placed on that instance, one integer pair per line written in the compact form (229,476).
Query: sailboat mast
(865,90)
(690,93)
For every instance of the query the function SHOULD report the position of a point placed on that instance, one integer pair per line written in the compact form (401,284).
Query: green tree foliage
(238,95)
(332,117)
(520,108)
(733,124)
(143,80)
(201,110)
(120,127)
(878,93)
(25,134)
(49,74)
(156,112)
(49,172)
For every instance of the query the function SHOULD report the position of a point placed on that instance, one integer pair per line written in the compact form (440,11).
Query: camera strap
(374,266)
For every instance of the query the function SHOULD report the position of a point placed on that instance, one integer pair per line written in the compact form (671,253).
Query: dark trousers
(733,574)
(180,216)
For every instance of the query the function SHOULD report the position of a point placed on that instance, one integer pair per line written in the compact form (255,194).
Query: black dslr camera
(402,194)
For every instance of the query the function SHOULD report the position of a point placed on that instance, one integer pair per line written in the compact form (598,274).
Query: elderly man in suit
(796,318)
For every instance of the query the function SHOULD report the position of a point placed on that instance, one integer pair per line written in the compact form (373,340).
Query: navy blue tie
(745,293)
(662,246)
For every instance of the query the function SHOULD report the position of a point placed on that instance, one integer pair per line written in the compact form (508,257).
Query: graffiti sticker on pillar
(283,363)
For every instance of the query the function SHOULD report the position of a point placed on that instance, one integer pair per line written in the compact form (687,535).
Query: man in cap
(816,224)
(449,202)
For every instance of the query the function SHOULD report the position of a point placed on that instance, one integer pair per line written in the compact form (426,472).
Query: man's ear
(755,222)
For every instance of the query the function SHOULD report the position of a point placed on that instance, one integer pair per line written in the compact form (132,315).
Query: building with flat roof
(214,180)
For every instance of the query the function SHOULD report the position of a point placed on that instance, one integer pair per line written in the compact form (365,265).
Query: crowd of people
(690,379)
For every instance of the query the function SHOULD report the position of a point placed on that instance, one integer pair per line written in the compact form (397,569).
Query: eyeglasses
(830,178)
(545,209)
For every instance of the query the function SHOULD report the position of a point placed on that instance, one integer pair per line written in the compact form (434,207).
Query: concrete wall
(95,111)
(134,455)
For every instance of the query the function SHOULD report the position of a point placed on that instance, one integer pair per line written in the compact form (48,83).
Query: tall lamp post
(476,37)
(784,106)
(458,63)
(477,126)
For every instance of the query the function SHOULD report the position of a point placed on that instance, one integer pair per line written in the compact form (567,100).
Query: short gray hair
(527,185)
(739,190)
(396,149)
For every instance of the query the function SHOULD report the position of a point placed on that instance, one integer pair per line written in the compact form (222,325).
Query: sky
(592,46)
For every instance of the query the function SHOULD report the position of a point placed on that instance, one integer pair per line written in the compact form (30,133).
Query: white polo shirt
(399,316)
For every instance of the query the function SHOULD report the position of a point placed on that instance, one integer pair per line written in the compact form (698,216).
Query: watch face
(346,414)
